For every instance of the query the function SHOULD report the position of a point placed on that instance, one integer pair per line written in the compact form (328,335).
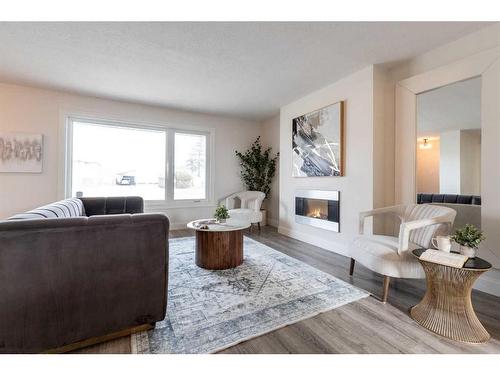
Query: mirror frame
(406,114)
(486,65)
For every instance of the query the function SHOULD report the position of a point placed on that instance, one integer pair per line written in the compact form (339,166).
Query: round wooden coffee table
(446,308)
(220,246)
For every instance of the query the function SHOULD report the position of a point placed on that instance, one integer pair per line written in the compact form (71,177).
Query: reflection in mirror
(448,169)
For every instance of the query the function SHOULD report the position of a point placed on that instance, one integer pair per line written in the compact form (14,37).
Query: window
(190,166)
(158,164)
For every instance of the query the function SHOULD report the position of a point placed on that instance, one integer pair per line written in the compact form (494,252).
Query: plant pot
(220,221)
(468,251)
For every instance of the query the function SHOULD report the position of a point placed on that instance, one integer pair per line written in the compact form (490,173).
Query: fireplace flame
(315,213)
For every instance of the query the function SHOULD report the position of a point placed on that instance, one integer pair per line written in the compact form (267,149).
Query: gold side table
(446,308)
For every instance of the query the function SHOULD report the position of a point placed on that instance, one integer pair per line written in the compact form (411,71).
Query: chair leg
(387,280)
(258,225)
(351,268)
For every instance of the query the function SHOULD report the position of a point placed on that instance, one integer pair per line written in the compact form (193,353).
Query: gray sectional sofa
(468,207)
(81,271)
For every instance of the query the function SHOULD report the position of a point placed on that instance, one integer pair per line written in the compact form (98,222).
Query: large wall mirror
(471,83)
(448,150)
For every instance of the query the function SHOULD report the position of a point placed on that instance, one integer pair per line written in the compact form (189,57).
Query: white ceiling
(452,107)
(246,70)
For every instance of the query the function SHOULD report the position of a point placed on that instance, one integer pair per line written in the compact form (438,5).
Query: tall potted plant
(258,168)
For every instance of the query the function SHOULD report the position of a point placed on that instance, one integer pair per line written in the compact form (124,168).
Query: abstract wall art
(318,142)
(21,152)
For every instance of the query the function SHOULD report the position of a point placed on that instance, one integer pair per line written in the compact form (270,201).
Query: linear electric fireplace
(319,208)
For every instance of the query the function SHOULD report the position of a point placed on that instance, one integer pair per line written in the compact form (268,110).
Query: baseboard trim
(314,240)
(273,222)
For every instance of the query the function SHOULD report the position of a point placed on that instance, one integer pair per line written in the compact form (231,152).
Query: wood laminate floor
(364,326)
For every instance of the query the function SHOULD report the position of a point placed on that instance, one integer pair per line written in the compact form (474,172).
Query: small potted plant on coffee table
(469,238)
(221,214)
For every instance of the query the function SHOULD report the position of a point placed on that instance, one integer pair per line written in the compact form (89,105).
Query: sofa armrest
(406,227)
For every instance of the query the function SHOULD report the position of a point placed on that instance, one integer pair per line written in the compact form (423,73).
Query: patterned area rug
(212,310)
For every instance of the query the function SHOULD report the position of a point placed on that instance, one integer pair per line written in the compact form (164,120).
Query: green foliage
(221,212)
(468,236)
(196,159)
(183,180)
(257,167)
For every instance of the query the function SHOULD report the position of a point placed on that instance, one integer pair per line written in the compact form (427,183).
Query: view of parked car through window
(114,160)
(118,161)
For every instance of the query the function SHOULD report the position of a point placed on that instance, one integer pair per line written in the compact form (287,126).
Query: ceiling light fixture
(426,144)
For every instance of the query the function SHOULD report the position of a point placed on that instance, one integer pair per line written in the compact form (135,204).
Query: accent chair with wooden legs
(391,256)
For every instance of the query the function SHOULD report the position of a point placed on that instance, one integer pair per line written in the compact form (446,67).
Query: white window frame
(150,205)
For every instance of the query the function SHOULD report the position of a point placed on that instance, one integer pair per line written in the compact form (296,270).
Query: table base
(219,250)
(446,308)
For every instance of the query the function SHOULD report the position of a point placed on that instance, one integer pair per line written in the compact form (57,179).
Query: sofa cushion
(438,198)
(72,207)
(113,205)
(425,198)
(464,199)
(450,198)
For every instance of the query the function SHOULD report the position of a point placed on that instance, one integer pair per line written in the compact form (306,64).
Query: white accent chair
(391,256)
(249,207)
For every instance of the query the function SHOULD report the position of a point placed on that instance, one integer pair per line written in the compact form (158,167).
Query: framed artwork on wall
(318,142)
(21,152)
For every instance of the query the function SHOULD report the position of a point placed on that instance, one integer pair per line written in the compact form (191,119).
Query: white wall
(383,149)
(271,138)
(481,40)
(34,110)
(356,188)
(470,162)
(449,162)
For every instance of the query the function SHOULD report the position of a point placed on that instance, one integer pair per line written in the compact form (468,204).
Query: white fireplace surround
(330,195)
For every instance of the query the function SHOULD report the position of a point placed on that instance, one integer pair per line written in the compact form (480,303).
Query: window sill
(152,206)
